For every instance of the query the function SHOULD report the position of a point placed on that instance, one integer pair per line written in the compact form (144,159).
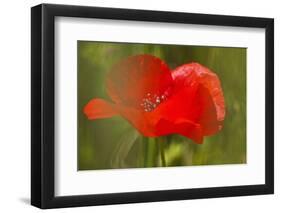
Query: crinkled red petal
(194,104)
(188,74)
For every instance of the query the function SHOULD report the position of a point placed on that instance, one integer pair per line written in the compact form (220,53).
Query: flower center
(151,101)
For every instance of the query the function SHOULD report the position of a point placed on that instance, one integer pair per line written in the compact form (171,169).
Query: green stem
(161,145)
(151,152)
(145,150)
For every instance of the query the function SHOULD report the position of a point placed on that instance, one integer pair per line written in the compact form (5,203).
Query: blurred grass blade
(125,143)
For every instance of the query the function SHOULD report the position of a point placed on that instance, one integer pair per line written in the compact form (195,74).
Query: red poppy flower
(157,101)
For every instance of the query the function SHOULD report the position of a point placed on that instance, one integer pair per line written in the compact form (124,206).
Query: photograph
(143,105)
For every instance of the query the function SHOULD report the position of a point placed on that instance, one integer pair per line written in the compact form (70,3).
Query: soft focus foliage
(113,143)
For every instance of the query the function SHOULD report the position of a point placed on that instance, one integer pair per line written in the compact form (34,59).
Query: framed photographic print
(140,106)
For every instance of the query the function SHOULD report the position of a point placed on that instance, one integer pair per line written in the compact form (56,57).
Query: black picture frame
(43,111)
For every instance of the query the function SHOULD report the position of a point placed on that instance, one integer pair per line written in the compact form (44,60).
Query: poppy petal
(208,118)
(135,77)
(187,74)
(151,125)
(193,103)
(139,119)
(99,108)
(182,127)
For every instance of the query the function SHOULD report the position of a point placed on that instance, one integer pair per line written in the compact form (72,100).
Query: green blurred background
(113,143)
